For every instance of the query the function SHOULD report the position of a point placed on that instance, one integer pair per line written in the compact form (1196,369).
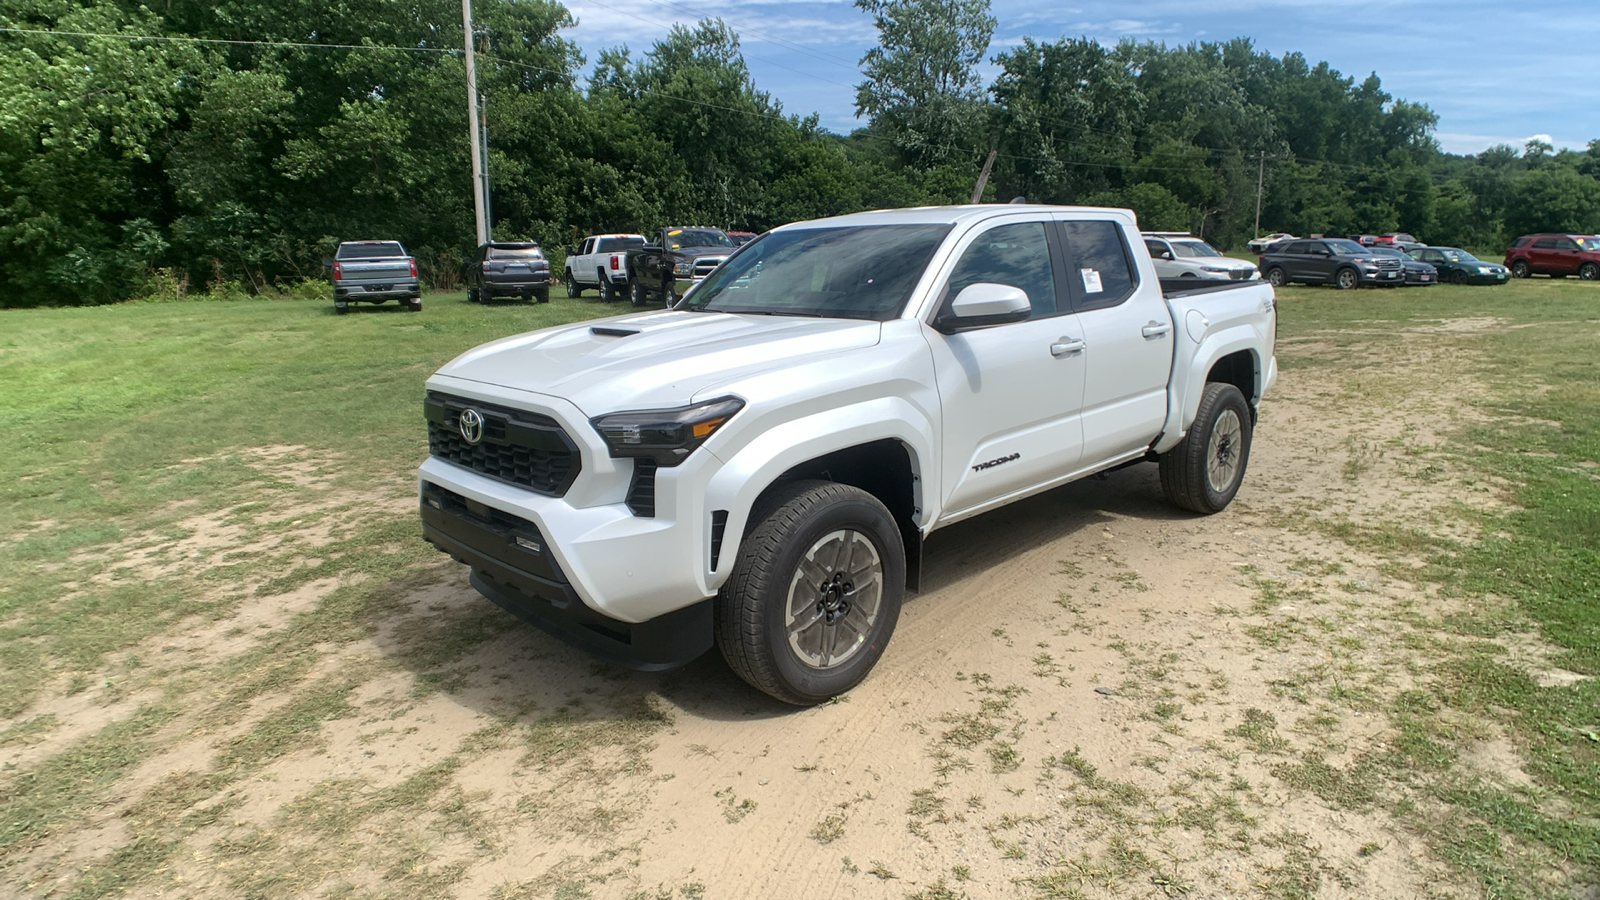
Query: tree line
(228,145)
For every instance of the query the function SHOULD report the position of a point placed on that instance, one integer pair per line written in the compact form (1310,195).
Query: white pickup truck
(601,262)
(757,467)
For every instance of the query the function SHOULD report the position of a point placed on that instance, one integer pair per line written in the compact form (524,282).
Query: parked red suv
(1556,255)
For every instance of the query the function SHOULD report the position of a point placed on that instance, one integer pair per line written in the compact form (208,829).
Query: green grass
(1541,435)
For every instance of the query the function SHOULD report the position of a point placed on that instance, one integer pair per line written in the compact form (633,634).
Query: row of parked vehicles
(659,269)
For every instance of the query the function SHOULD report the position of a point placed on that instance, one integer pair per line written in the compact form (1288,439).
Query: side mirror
(1167,255)
(327,264)
(571,250)
(984,304)
(466,260)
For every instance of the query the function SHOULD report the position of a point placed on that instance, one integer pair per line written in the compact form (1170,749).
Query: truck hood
(654,360)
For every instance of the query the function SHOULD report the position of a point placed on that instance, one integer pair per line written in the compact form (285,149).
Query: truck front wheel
(636,294)
(1203,473)
(815,592)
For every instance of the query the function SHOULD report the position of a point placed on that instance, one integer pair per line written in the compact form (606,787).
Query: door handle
(1067,347)
(1155,329)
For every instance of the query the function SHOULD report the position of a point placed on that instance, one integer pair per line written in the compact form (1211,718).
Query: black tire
(792,523)
(574,290)
(1276,277)
(669,292)
(636,294)
(1347,279)
(414,304)
(542,295)
(608,291)
(1589,272)
(1458,277)
(1520,269)
(1187,477)
(474,295)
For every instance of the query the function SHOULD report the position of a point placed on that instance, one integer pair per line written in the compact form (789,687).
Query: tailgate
(389,269)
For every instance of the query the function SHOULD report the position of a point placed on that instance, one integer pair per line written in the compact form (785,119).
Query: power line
(179,39)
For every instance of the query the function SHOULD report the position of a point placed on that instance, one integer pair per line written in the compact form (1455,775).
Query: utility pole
(1261,175)
(983,177)
(480,192)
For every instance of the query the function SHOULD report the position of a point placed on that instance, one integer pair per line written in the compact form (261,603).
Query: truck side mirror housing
(984,304)
(327,264)
(571,250)
(1167,254)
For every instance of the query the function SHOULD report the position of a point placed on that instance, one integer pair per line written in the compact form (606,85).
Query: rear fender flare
(1189,382)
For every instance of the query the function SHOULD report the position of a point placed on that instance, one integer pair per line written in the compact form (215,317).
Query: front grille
(704,265)
(517,447)
(1241,274)
(1389,264)
(642,490)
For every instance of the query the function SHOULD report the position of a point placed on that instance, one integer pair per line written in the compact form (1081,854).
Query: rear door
(583,267)
(1010,394)
(1566,259)
(1160,251)
(1129,333)
(1542,255)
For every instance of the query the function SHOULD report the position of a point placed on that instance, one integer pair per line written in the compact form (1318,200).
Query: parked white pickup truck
(601,261)
(758,466)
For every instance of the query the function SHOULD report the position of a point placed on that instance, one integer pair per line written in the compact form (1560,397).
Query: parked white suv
(757,467)
(1181,255)
(601,261)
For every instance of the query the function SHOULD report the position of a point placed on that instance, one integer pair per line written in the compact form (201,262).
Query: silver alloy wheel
(834,599)
(1222,456)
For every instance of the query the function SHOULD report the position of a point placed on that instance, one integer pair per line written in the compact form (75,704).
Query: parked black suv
(1336,261)
(508,269)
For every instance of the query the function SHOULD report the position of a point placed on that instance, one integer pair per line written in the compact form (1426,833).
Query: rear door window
(1566,244)
(1545,244)
(1099,268)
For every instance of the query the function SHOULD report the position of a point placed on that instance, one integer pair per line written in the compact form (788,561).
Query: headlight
(683,268)
(1486,270)
(1217,269)
(667,436)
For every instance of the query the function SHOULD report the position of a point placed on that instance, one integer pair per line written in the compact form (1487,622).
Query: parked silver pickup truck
(374,272)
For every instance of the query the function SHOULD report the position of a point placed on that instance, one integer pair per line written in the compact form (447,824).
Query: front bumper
(512,566)
(1383,278)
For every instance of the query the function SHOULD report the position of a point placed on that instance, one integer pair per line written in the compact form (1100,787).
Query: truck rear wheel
(815,592)
(608,291)
(1203,473)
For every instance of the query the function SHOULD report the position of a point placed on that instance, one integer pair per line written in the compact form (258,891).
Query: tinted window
(1156,248)
(1018,255)
(373,250)
(1545,243)
(1566,244)
(515,253)
(617,245)
(865,272)
(1298,247)
(1098,271)
(1520,241)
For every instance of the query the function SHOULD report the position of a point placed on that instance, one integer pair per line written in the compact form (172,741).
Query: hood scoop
(612,331)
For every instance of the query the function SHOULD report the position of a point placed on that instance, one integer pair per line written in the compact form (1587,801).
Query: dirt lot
(1093,696)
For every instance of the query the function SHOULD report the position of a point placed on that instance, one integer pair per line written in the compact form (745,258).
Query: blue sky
(1495,72)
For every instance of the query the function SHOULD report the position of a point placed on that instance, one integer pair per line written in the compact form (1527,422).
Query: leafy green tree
(922,90)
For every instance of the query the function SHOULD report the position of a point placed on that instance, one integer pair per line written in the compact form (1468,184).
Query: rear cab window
(618,245)
(374,250)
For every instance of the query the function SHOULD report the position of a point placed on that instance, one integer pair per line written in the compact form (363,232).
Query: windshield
(1588,243)
(1194,248)
(1346,248)
(1454,255)
(678,238)
(863,272)
(373,250)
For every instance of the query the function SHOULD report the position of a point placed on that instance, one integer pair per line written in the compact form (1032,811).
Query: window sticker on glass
(1091,281)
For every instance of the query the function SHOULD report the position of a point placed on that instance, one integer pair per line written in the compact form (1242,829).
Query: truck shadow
(509,669)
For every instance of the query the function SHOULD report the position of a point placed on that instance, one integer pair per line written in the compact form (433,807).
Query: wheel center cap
(835,600)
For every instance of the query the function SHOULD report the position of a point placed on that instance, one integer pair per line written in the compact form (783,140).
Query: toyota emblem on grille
(471,425)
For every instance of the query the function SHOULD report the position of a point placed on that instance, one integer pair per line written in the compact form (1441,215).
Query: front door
(1010,394)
